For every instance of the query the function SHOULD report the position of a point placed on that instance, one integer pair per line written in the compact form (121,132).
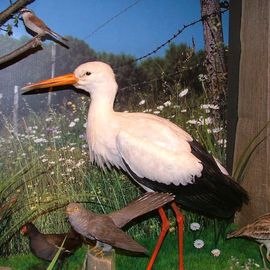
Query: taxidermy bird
(259,231)
(45,246)
(106,229)
(157,154)
(37,26)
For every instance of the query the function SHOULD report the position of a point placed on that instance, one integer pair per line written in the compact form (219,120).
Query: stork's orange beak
(68,79)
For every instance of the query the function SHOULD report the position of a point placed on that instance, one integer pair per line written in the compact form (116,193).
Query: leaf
(53,262)
(244,158)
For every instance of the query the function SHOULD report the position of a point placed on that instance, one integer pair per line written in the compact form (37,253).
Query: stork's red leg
(180,222)
(164,230)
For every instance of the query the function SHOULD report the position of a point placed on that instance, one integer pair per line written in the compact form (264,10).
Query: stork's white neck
(102,97)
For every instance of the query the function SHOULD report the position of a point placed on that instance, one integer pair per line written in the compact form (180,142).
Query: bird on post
(259,231)
(106,229)
(37,26)
(157,154)
(45,246)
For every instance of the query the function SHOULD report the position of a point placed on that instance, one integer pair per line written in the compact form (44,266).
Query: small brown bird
(106,228)
(259,231)
(45,246)
(36,25)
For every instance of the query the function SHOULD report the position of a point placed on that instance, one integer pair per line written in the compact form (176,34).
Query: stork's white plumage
(156,153)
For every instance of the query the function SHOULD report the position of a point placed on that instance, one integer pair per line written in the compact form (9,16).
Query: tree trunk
(214,48)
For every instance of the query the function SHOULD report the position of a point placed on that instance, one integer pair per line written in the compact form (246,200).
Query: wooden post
(52,71)
(15,109)
(214,48)
(254,104)
(92,262)
(233,79)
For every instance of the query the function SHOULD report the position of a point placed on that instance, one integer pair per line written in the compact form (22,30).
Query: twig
(8,13)
(27,47)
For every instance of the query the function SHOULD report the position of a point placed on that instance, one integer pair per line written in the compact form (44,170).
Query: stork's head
(93,77)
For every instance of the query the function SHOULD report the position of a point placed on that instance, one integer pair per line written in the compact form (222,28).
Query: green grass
(235,254)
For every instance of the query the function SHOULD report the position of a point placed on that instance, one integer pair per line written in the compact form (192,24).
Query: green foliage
(235,254)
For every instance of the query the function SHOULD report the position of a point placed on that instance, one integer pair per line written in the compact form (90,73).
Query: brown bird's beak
(68,79)
(23,230)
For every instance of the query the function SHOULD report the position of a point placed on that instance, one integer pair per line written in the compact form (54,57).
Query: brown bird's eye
(88,73)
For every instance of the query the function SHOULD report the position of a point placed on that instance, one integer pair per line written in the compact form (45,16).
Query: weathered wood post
(253,102)
(15,109)
(106,262)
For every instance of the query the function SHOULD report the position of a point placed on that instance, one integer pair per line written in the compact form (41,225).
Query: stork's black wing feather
(213,194)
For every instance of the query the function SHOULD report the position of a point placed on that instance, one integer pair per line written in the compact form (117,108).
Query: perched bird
(37,26)
(106,229)
(45,246)
(259,231)
(157,154)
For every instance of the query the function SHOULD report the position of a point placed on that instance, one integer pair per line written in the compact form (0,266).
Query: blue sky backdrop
(137,31)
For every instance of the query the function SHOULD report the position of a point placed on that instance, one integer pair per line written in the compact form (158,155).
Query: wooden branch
(28,48)
(7,13)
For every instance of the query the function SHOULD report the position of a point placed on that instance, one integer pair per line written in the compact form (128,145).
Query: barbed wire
(111,19)
(177,33)
(174,36)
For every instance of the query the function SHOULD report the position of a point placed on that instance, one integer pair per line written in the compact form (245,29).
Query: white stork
(156,153)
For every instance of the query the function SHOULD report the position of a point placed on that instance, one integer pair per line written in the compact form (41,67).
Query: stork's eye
(88,73)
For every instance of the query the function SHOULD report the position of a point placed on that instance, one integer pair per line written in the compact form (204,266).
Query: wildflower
(195,226)
(217,130)
(156,112)
(44,160)
(198,243)
(49,119)
(142,102)
(147,110)
(192,122)
(76,120)
(72,149)
(176,106)
(85,125)
(206,121)
(72,124)
(215,252)
(160,108)
(40,140)
(167,103)
(209,106)
(184,110)
(222,142)
(183,92)
(80,163)
(202,77)
(125,111)
(56,137)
